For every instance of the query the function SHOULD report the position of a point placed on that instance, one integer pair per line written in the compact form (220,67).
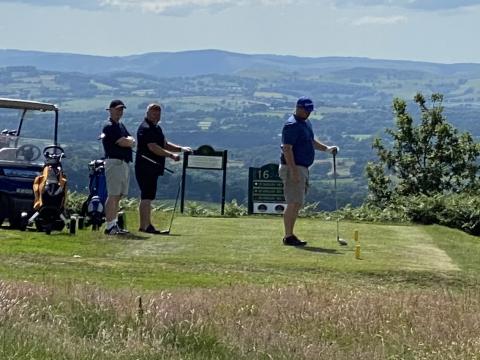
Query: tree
(428,158)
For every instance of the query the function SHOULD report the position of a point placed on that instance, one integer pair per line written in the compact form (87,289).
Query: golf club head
(341,241)
(165,232)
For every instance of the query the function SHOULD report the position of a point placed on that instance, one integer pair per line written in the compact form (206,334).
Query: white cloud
(168,7)
(176,7)
(160,6)
(426,5)
(73,4)
(380,20)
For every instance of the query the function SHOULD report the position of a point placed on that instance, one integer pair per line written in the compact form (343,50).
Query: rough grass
(321,321)
(222,288)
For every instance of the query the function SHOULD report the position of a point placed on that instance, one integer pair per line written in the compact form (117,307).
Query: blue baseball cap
(306,103)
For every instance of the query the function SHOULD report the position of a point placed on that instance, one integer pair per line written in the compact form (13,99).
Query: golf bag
(50,191)
(93,209)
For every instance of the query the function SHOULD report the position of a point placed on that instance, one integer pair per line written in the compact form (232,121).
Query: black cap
(116,104)
(306,103)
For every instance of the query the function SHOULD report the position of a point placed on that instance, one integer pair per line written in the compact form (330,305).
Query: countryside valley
(239,103)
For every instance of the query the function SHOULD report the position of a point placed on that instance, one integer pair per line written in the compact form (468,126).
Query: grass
(215,252)
(223,288)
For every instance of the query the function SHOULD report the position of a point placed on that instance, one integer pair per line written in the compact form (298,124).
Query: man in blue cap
(298,154)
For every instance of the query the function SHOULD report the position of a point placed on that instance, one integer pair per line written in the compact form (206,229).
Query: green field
(226,288)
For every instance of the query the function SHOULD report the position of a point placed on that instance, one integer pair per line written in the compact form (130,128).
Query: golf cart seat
(8,154)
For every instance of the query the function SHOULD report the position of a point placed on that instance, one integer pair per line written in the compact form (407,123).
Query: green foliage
(193,208)
(309,210)
(233,209)
(428,158)
(368,213)
(460,211)
(129,203)
(74,202)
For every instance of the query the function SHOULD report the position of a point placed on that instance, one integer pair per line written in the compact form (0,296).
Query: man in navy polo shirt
(153,145)
(118,145)
(298,154)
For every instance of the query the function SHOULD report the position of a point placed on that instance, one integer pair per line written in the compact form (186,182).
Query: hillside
(236,102)
(202,62)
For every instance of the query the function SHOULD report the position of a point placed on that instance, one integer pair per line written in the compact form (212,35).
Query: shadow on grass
(319,250)
(145,237)
(129,236)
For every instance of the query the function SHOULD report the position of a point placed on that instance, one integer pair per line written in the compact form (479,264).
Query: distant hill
(202,62)
(236,102)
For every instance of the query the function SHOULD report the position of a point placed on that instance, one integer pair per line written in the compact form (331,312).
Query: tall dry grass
(320,321)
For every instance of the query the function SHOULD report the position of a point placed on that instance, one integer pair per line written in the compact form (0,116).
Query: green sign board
(265,190)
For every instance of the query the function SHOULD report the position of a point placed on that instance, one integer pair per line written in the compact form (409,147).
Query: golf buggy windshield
(26,128)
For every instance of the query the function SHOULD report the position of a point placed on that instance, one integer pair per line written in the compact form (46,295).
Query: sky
(440,31)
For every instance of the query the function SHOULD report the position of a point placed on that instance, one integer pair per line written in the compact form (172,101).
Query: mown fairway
(225,288)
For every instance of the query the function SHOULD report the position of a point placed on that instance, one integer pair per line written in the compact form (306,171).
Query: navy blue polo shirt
(114,131)
(299,134)
(148,133)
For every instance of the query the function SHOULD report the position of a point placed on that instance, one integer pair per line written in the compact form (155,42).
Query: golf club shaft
(335,190)
(335,180)
(152,161)
(175,206)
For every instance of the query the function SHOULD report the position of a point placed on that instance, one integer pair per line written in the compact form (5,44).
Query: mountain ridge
(202,62)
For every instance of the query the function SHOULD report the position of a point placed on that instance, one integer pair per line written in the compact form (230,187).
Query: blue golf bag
(93,209)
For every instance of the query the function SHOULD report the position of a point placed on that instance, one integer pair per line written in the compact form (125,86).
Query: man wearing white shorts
(117,144)
(298,154)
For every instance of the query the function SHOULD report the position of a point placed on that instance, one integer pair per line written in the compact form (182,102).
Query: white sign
(206,162)
(268,208)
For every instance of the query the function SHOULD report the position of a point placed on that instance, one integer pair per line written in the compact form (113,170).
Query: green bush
(455,210)
(74,202)
(233,209)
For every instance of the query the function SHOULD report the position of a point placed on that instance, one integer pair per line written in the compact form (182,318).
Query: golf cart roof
(26,105)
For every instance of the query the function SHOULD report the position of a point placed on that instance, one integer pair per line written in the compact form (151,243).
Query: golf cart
(29,127)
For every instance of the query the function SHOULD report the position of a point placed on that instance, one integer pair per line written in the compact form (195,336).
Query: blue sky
(428,30)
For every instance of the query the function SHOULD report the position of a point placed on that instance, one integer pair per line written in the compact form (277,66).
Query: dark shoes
(150,230)
(293,241)
(115,230)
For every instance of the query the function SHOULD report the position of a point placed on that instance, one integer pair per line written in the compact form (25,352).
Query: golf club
(167,232)
(153,162)
(102,135)
(340,241)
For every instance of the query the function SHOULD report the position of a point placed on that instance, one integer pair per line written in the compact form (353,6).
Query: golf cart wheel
(48,229)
